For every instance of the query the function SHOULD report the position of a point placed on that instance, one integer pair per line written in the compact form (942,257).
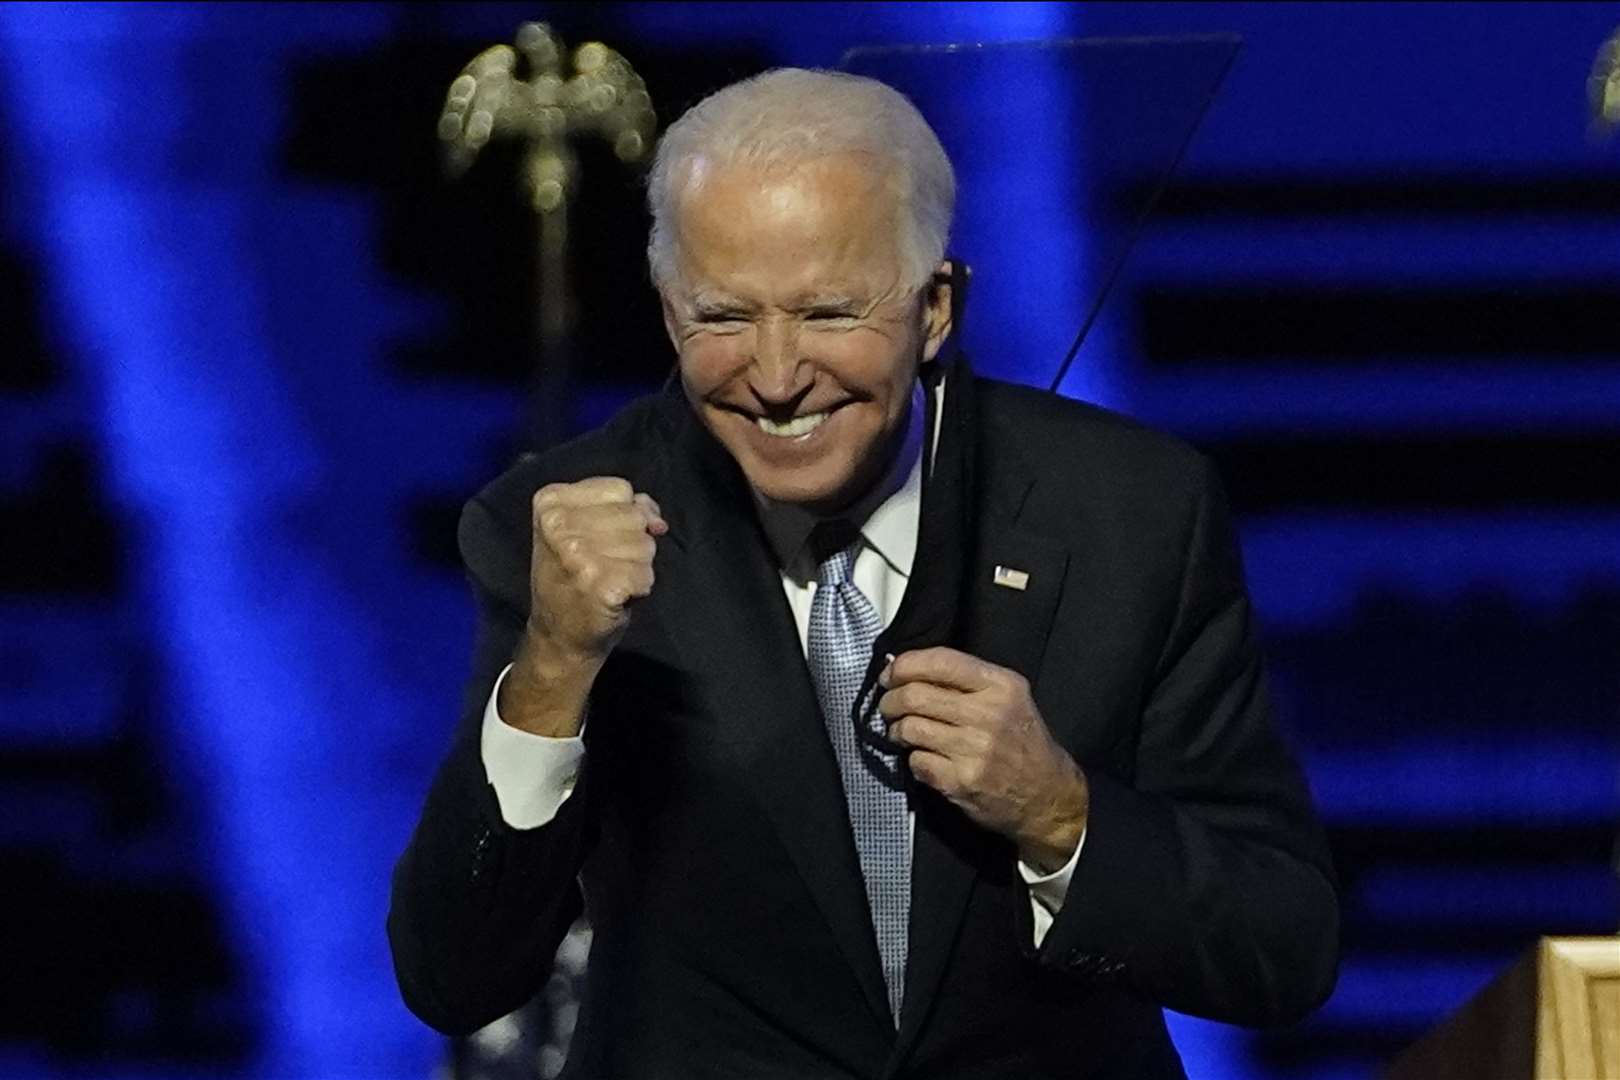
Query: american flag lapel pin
(1009,578)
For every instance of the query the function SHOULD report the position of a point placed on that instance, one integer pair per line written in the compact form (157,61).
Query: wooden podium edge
(1576,1036)
(1541,1018)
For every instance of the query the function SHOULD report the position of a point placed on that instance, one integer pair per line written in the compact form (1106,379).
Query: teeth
(799,425)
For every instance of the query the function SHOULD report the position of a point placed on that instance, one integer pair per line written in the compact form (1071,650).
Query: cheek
(710,361)
(866,361)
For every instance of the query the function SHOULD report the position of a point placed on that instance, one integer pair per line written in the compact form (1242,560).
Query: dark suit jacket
(709,833)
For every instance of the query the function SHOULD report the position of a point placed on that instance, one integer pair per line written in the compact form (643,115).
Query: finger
(937,702)
(624,582)
(935,770)
(633,547)
(656,525)
(597,518)
(588,492)
(937,737)
(648,503)
(944,667)
(595,522)
(638,580)
(597,558)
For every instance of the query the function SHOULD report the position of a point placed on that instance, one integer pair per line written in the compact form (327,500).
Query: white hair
(790,116)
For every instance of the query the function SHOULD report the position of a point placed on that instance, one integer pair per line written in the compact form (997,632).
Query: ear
(936,313)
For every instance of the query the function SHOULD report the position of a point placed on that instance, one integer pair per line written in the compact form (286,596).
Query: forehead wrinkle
(813,297)
(779,241)
(710,296)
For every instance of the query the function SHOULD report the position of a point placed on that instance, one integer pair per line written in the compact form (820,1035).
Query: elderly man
(887,721)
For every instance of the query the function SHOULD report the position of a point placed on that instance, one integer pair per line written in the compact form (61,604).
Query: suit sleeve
(478,907)
(1205,883)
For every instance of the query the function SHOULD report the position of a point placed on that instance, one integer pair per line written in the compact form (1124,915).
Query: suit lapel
(748,654)
(1006,626)
(1012,597)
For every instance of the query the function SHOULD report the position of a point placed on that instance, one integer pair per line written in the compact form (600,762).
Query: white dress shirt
(533,775)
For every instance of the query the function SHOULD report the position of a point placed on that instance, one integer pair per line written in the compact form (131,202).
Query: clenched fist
(594,542)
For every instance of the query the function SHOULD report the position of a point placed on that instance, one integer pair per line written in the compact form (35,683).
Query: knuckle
(922,769)
(552,520)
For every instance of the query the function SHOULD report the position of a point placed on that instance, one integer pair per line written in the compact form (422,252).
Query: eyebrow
(718,303)
(837,302)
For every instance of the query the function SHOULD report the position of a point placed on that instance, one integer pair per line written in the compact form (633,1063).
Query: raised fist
(593,556)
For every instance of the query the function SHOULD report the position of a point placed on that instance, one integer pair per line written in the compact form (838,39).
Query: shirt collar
(888,515)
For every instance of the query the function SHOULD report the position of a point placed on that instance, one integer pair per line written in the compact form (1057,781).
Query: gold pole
(601,96)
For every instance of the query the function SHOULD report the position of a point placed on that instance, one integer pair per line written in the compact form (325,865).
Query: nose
(776,377)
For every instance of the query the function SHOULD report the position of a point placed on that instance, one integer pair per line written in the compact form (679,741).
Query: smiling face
(798,338)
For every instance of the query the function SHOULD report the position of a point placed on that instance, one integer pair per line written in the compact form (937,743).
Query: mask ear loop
(886,758)
(933,371)
(958,277)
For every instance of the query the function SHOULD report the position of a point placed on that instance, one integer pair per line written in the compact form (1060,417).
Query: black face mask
(928,614)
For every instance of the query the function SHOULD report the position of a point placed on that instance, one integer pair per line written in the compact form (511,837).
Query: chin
(814,493)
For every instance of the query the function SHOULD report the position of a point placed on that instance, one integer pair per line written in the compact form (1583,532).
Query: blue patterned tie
(843,626)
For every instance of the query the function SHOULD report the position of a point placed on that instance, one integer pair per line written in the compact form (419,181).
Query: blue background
(253,354)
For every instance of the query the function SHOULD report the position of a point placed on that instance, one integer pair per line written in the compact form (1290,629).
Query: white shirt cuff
(1048,891)
(532,775)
